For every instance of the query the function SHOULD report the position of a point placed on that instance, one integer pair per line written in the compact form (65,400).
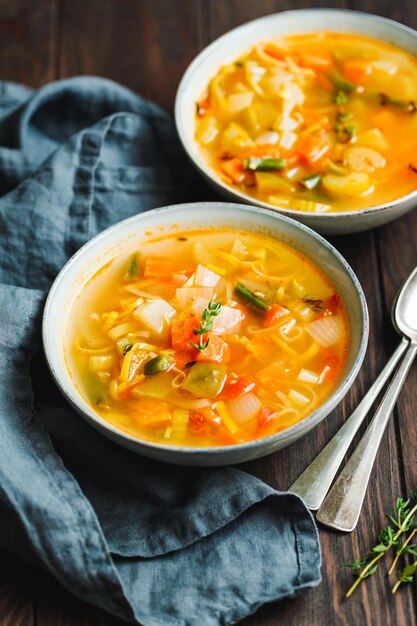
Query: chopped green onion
(133,267)
(265,164)
(311,182)
(251,298)
(160,363)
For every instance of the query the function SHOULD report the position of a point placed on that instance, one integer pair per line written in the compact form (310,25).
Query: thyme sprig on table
(207,317)
(401,521)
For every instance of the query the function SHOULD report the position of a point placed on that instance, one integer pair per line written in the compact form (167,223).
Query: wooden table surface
(146,45)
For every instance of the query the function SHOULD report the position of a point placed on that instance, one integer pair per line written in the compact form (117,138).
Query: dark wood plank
(144,45)
(227,15)
(28,38)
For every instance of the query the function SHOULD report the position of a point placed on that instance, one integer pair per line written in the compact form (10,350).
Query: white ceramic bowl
(89,259)
(227,48)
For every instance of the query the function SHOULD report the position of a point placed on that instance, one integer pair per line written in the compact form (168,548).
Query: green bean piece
(205,380)
(341,83)
(257,302)
(265,164)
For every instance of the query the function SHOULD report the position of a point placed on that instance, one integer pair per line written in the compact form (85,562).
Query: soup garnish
(318,122)
(207,338)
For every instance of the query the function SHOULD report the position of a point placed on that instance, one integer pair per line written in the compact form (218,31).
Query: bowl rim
(206,171)
(74,397)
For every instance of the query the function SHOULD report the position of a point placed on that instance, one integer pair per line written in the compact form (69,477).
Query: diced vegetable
(243,409)
(160,363)
(326,331)
(204,277)
(155,315)
(265,164)
(226,418)
(205,380)
(258,303)
(179,422)
(233,168)
(352,185)
(182,333)
(237,386)
(132,271)
(208,130)
(132,361)
(275,313)
(185,296)
(157,267)
(158,386)
(228,321)
(267,182)
(312,148)
(217,350)
(357,71)
(318,62)
(362,159)
(234,138)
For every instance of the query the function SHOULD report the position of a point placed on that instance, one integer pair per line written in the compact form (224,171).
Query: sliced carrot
(274,314)
(275,52)
(157,267)
(317,62)
(235,387)
(217,350)
(312,148)
(262,151)
(324,82)
(233,168)
(357,71)
(182,332)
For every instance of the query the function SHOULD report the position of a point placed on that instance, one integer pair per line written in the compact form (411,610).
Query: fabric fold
(151,543)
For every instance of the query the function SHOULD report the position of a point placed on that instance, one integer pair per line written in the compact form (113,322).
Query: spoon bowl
(404,310)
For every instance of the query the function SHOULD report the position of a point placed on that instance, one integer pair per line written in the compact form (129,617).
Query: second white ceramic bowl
(227,49)
(103,248)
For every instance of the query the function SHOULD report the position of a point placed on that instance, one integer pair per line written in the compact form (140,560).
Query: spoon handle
(343,504)
(313,484)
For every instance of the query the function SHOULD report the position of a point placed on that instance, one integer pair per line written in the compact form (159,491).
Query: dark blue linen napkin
(151,543)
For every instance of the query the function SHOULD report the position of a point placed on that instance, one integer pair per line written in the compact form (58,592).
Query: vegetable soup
(318,122)
(207,338)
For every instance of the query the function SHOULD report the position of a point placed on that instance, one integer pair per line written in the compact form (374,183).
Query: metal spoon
(343,504)
(314,483)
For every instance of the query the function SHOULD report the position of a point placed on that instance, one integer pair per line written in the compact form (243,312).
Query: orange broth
(320,122)
(272,344)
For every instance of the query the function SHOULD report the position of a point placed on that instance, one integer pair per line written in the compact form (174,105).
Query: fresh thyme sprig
(401,521)
(207,317)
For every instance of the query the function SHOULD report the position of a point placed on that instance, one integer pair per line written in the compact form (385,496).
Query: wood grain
(146,45)
(29,40)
